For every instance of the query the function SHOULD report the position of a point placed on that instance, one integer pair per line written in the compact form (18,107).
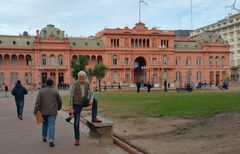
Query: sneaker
(44,140)
(96,120)
(51,144)
(20,117)
(77,142)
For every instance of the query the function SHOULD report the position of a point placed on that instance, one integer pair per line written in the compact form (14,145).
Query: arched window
(199,61)
(14,59)
(178,76)
(222,61)
(216,61)
(189,62)
(60,60)
(189,76)
(44,60)
(1,60)
(115,60)
(164,60)
(136,42)
(199,76)
(14,77)
(28,60)
(132,42)
(1,78)
(52,60)
(115,77)
(148,42)
(178,61)
(210,60)
(28,78)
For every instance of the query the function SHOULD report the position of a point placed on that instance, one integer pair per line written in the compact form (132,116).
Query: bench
(178,89)
(103,131)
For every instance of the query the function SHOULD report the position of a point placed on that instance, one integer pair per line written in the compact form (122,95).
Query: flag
(141,1)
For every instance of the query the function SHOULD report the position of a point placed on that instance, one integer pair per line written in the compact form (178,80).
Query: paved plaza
(24,137)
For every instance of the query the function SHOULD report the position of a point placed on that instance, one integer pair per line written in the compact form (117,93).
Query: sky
(87,17)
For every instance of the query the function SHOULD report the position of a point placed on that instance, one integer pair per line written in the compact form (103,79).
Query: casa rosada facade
(131,55)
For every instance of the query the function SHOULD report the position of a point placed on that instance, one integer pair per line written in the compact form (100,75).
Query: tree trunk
(99,84)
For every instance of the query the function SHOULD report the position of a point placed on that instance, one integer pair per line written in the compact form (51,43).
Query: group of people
(48,103)
(146,85)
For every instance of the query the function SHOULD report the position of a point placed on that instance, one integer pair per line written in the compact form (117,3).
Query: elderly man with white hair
(81,95)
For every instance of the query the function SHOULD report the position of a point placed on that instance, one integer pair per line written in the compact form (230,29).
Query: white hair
(82,73)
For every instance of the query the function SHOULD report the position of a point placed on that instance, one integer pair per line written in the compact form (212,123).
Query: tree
(100,70)
(78,65)
(90,74)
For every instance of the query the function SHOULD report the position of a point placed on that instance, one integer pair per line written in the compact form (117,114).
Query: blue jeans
(20,105)
(77,113)
(48,127)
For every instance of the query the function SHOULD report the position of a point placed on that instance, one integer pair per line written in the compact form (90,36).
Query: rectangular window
(199,76)
(44,61)
(126,61)
(127,78)
(154,61)
(52,61)
(60,61)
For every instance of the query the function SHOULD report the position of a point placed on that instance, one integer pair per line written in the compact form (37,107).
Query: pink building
(131,55)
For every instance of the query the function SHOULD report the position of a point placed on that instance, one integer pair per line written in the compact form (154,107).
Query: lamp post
(56,77)
(31,65)
(41,69)
(161,47)
(144,71)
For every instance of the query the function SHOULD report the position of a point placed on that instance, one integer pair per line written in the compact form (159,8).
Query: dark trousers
(19,105)
(77,113)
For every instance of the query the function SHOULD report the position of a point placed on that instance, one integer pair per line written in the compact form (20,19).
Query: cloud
(87,17)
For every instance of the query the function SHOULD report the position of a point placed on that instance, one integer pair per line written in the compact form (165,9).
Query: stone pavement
(24,137)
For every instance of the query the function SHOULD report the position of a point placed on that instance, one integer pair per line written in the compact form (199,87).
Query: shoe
(51,144)
(96,120)
(20,117)
(77,142)
(44,140)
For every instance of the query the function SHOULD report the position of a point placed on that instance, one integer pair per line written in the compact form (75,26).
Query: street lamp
(144,71)
(31,65)
(161,48)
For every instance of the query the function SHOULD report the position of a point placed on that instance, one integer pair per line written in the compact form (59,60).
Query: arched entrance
(60,78)
(217,77)
(140,70)
(43,78)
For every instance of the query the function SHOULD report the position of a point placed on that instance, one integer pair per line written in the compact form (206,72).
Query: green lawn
(156,104)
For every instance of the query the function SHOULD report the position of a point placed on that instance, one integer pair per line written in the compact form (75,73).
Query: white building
(229,29)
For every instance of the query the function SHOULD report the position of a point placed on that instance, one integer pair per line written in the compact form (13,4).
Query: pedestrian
(6,90)
(19,91)
(119,86)
(149,86)
(48,102)
(138,86)
(81,95)
(165,85)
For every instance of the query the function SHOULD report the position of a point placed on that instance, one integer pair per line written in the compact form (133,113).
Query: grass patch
(156,104)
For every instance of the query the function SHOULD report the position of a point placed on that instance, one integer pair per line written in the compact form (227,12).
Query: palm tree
(100,70)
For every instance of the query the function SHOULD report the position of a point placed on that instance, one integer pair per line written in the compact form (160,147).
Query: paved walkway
(24,137)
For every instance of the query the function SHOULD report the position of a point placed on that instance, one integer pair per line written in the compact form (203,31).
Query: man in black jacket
(19,91)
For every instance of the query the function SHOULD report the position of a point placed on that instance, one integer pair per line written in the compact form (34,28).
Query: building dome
(51,32)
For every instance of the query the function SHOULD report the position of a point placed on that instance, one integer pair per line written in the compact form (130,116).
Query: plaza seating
(103,131)
(184,89)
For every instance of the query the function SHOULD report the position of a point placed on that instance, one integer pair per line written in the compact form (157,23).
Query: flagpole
(191,17)
(139,11)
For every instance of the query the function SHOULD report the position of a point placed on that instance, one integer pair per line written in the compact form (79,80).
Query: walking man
(81,95)
(48,102)
(19,91)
